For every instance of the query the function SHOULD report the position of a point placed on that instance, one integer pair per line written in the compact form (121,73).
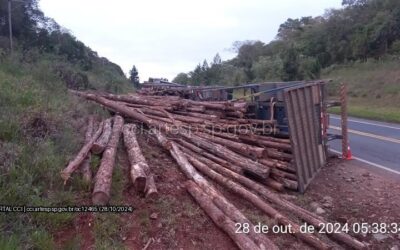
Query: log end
(140,184)
(97,149)
(151,194)
(100,198)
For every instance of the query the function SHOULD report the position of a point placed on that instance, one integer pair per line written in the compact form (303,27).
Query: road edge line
(369,163)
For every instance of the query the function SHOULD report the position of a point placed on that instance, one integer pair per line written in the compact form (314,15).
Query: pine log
(275,154)
(219,218)
(101,143)
(85,166)
(283,174)
(136,159)
(140,170)
(201,151)
(290,207)
(197,109)
(151,188)
(289,184)
(191,173)
(103,179)
(259,203)
(274,185)
(198,115)
(244,149)
(124,110)
(77,161)
(249,166)
(259,140)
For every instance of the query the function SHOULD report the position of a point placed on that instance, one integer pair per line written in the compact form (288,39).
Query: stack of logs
(105,142)
(216,140)
(247,145)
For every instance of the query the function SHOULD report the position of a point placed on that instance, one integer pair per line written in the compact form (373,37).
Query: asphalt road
(372,142)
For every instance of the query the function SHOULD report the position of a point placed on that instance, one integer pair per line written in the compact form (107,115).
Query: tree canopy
(361,29)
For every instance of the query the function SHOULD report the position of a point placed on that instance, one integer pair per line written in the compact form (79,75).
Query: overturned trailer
(298,107)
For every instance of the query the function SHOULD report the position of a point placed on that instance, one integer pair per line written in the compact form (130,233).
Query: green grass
(373,88)
(374,113)
(38,135)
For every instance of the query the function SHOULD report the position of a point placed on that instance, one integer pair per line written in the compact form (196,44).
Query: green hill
(41,125)
(374,87)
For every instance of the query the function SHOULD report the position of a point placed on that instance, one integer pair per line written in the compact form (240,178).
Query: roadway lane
(376,143)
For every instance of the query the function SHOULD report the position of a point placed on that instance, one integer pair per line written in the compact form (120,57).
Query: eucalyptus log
(85,166)
(101,143)
(77,161)
(103,179)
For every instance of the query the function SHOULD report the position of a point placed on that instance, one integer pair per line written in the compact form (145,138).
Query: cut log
(219,218)
(224,205)
(289,184)
(136,159)
(151,189)
(249,166)
(85,166)
(288,206)
(264,141)
(103,179)
(244,149)
(259,203)
(101,143)
(75,163)
(140,170)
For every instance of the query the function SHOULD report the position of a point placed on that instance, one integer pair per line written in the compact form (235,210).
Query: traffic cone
(349,156)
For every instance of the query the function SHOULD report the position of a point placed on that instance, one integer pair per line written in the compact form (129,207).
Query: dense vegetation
(41,126)
(360,30)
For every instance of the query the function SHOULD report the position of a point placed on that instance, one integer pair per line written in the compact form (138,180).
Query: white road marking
(369,163)
(379,137)
(368,123)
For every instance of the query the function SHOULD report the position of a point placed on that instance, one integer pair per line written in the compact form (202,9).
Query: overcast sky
(165,37)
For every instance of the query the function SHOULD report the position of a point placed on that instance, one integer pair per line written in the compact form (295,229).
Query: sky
(165,37)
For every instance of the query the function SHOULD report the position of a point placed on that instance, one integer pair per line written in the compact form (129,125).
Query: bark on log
(249,166)
(198,109)
(244,149)
(191,173)
(219,218)
(141,175)
(85,166)
(101,143)
(75,163)
(198,115)
(151,188)
(201,151)
(260,140)
(258,202)
(124,110)
(289,184)
(103,179)
(137,172)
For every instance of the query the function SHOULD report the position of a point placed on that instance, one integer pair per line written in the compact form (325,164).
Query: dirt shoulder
(343,191)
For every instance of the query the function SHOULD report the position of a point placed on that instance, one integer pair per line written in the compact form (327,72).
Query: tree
(182,78)
(134,76)
(217,60)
